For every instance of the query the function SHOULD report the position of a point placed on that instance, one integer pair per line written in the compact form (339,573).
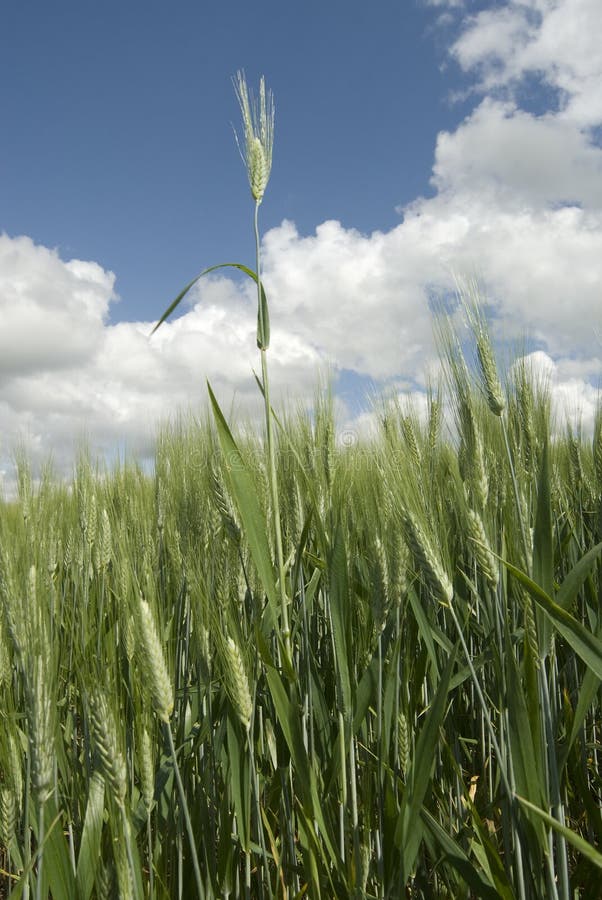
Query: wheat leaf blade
(263,312)
(408,833)
(568,590)
(579,843)
(245,496)
(89,851)
(454,854)
(583,642)
(339,610)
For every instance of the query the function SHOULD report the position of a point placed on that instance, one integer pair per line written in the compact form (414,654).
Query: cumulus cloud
(517,202)
(360,300)
(52,312)
(67,373)
(554,40)
(519,159)
(364,300)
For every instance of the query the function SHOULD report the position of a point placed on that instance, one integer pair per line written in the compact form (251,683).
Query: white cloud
(67,373)
(519,159)
(492,42)
(52,312)
(555,40)
(448,3)
(359,300)
(363,300)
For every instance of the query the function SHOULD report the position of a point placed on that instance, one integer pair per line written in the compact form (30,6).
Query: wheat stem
(285,628)
(186,813)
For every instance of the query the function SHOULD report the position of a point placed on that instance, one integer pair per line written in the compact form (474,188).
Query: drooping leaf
(589,688)
(579,843)
(583,642)
(263,319)
(457,858)
(568,590)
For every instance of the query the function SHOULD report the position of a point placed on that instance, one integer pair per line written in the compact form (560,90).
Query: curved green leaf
(456,857)
(568,590)
(579,843)
(263,319)
(583,642)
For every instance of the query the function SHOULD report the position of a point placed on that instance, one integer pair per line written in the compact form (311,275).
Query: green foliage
(371,764)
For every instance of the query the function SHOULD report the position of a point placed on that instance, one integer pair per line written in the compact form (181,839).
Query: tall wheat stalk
(258,124)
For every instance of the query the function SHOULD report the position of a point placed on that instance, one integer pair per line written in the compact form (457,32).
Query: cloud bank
(517,202)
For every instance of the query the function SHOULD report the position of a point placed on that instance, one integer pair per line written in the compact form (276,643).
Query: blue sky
(118,143)
(415,143)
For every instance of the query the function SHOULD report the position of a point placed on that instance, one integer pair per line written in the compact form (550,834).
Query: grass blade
(408,833)
(244,493)
(253,275)
(89,850)
(579,843)
(583,642)
(568,590)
